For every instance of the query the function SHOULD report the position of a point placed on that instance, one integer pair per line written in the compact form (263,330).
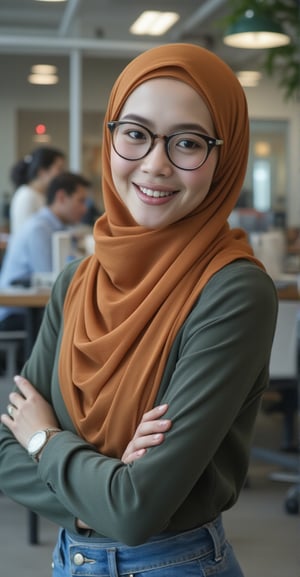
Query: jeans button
(78,559)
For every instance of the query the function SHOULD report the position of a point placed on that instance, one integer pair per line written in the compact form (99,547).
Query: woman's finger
(139,445)
(134,456)
(16,399)
(149,433)
(155,413)
(146,441)
(24,386)
(151,427)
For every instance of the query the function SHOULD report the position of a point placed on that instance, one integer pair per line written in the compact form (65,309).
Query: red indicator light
(40,129)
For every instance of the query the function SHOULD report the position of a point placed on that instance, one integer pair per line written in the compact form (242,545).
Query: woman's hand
(28,412)
(149,433)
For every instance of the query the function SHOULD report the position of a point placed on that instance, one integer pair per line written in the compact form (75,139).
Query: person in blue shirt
(29,250)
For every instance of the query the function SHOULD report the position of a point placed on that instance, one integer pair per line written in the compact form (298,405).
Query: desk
(4,237)
(17,297)
(289,293)
(34,300)
(288,289)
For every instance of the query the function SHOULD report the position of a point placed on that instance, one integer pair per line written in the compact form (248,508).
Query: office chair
(9,345)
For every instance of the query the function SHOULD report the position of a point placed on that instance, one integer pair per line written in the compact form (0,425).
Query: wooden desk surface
(289,293)
(36,298)
(4,237)
(17,297)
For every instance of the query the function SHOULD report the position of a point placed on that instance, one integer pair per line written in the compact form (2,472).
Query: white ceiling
(101,27)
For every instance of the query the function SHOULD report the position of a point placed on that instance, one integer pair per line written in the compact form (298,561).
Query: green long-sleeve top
(216,373)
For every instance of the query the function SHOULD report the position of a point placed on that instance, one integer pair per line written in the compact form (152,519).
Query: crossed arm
(31,412)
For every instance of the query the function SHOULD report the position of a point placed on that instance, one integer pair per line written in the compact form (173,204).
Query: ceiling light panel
(43,79)
(43,69)
(154,23)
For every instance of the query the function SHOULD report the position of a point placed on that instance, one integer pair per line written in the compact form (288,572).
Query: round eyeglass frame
(210,141)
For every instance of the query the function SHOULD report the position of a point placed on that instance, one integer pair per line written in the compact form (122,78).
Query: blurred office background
(88,42)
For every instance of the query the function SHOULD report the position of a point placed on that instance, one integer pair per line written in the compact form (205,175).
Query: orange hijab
(126,304)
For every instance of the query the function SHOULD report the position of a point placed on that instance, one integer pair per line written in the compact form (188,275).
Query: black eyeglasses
(185,150)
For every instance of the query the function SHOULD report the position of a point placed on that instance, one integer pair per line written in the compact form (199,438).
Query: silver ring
(10,410)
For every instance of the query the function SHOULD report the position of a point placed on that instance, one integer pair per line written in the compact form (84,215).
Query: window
(266,182)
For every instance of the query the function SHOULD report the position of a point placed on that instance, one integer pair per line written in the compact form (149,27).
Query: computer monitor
(68,245)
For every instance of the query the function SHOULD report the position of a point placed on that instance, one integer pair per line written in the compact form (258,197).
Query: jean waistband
(187,545)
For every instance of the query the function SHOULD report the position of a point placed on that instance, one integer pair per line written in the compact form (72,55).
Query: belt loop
(112,562)
(217,543)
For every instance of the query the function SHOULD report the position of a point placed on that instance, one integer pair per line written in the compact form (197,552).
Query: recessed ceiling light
(43,69)
(43,79)
(249,78)
(43,74)
(154,22)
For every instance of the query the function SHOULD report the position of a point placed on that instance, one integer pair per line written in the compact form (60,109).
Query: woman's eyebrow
(186,126)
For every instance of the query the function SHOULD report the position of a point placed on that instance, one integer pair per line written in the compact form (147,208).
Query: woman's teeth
(154,193)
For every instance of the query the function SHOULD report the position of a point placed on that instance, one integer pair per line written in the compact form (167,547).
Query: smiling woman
(153,353)
(169,175)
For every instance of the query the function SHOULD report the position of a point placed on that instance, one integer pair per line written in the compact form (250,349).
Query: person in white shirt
(31,176)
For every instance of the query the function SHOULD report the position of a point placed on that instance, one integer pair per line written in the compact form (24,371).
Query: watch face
(36,442)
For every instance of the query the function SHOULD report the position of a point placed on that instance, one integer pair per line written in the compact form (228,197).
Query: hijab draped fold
(127,302)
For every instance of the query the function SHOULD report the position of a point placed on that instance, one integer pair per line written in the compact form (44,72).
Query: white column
(75,131)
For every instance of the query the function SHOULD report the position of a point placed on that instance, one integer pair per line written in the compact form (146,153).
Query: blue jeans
(200,552)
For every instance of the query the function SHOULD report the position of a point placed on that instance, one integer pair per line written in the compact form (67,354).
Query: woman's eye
(135,135)
(188,144)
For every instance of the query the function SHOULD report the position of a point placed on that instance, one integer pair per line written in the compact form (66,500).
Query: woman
(31,176)
(172,312)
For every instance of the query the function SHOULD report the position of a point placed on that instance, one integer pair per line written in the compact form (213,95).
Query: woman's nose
(157,161)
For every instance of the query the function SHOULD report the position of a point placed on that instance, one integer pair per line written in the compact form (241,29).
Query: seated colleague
(30,250)
(31,176)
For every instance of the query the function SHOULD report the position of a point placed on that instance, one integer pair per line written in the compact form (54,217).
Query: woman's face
(156,192)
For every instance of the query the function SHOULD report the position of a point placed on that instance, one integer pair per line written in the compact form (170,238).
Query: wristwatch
(38,441)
